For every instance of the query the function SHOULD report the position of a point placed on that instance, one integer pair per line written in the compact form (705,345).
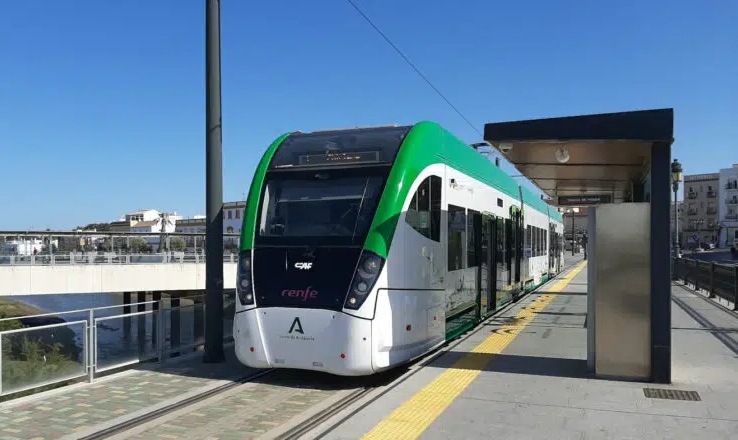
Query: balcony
(692,211)
(711,194)
(711,210)
(691,195)
(731,202)
(731,216)
(731,185)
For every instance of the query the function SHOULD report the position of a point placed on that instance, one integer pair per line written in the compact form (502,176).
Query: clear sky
(102,102)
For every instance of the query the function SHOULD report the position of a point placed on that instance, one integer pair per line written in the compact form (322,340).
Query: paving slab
(79,410)
(538,387)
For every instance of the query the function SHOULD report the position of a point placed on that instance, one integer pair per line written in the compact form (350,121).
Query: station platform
(521,375)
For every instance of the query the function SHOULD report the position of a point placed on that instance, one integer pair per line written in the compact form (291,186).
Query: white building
(192,225)
(143,215)
(233,220)
(728,206)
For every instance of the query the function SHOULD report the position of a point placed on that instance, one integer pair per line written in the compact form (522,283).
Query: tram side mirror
(424,251)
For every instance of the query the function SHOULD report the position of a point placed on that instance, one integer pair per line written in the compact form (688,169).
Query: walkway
(519,377)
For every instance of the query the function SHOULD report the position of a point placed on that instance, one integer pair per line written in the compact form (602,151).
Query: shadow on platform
(717,332)
(515,364)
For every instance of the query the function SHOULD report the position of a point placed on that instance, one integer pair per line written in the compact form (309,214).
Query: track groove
(153,415)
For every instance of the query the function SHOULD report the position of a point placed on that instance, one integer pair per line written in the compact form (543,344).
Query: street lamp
(214,351)
(676,177)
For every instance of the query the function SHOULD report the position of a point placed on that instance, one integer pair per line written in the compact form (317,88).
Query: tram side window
(533,241)
(435,208)
(541,241)
(472,259)
(456,237)
(424,212)
(500,254)
(509,237)
(528,241)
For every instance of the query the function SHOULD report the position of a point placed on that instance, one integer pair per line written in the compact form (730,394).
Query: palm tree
(162,236)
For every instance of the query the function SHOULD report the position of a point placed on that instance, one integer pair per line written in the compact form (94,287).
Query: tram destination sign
(584,200)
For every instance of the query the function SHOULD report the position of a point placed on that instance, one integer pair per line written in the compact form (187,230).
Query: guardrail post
(712,279)
(735,287)
(161,335)
(1,363)
(696,274)
(90,341)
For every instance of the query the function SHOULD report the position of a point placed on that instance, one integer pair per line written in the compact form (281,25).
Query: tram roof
(608,153)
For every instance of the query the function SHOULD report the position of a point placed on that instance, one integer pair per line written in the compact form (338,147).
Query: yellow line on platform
(415,415)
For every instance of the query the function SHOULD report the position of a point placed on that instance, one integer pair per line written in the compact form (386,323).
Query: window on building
(238,213)
(230,214)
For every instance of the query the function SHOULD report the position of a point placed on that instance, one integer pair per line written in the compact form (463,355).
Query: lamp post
(214,351)
(676,177)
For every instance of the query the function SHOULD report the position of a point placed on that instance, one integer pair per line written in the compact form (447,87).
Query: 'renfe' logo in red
(305,293)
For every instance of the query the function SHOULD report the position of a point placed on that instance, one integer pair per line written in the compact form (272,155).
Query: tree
(177,244)
(138,245)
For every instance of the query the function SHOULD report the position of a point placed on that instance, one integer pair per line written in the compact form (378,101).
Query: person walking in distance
(584,244)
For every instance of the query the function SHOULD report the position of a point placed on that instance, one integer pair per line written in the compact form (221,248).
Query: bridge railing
(109,258)
(718,280)
(42,351)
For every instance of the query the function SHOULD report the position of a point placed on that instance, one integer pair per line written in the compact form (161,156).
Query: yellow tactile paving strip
(416,414)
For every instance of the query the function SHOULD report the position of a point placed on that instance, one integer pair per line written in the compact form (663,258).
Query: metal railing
(718,280)
(109,258)
(89,342)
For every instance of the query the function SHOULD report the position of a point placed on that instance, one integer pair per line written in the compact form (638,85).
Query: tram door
(488,265)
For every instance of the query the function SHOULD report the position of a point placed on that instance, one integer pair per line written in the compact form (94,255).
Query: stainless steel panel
(623,290)
(591,285)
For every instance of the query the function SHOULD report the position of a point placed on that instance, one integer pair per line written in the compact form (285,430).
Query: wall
(98,278)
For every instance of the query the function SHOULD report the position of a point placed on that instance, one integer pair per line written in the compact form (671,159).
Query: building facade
(728,206)
(701,225)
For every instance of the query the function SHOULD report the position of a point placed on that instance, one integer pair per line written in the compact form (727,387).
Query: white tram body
(443,246)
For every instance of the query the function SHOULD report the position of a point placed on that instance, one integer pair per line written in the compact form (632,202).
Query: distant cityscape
(150,223)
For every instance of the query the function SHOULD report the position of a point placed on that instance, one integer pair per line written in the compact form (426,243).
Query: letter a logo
(296,327)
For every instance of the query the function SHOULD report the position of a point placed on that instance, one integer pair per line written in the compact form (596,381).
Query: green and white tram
(363,249)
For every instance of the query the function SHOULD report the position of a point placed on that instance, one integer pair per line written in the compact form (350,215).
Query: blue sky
(102,103)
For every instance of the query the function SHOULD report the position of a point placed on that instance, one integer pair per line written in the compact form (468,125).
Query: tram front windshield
(318,209)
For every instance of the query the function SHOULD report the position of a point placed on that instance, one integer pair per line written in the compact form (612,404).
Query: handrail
(67,259)
(718,280)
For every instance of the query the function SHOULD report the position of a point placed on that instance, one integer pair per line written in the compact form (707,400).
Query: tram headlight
(244,288)
(367,272)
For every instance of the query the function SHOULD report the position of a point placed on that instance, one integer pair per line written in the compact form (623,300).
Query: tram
(363,249)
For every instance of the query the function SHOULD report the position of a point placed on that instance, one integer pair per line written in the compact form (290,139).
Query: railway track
(161,412)
(358,392)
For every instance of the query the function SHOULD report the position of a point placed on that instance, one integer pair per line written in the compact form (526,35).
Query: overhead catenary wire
(413,66)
